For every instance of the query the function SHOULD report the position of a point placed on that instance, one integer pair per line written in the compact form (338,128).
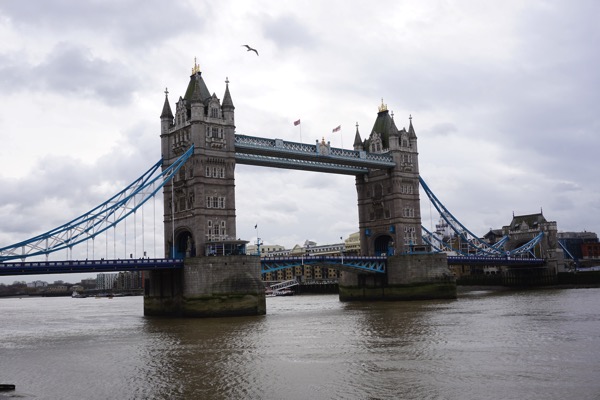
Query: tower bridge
(206,271)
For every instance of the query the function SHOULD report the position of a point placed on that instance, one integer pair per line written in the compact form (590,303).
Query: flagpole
(257,240)
(296,123)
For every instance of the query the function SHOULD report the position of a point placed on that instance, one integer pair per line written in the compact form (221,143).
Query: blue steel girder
(251,150)
(81,266)
(474,242)
(363,264)
(527,247)
(494,261)
(99,219)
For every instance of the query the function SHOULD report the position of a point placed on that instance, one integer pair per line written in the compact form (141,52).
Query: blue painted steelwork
(99,219)
(567,252)
(251,150)
(527,247)
(80,266)
(476,260)
(440,246)
(364,264)
(475,244)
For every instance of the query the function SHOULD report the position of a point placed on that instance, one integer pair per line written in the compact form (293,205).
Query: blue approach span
(81,266)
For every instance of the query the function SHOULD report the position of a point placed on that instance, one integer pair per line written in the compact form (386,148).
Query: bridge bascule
(206,272)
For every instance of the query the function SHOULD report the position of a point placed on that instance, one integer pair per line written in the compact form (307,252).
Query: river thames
(538,344)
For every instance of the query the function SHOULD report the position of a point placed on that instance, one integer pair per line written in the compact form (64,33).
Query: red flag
(296,123)
(337,129)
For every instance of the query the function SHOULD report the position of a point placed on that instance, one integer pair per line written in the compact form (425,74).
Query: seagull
(250,48)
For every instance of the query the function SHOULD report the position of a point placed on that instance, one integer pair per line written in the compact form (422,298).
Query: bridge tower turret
(199,213)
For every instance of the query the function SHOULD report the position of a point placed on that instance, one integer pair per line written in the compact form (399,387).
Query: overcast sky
(504,98)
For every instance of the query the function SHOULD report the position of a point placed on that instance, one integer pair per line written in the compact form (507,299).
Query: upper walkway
(319,157)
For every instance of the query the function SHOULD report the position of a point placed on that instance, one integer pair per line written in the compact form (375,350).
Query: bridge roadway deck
(268,264)
(79,266)
(495,261)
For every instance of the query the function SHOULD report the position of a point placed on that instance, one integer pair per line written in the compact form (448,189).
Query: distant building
(493,236)
(265,249)
(56,289)
(129,280)
(574,243)
(37,284)
(89,283)
(305,272)
(105,281)
(352,244)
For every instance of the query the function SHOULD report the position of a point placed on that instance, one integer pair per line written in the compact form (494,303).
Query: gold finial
(382,107)
(196,68)
(323,140)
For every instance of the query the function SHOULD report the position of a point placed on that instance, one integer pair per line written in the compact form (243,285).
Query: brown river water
(537,344)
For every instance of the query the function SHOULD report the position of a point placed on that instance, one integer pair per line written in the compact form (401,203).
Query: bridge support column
(408,277)
(207,287)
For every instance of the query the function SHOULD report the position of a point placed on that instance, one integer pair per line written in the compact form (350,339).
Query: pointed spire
(357,140)
(166,111)
(411,130)
(227,102)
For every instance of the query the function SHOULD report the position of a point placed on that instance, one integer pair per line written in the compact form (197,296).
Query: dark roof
(532,220)
(357,139)
(227,102)
(196,90)
(385,126)
(411,130)
(166,111)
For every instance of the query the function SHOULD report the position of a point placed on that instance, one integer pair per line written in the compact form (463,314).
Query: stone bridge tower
(200,200)
(218,279)
(389,219)
(388,200)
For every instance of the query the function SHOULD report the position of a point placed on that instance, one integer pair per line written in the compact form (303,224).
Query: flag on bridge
(296,123)
(337,129)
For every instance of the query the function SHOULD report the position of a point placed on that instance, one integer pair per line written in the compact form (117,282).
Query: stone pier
(207,287)
(408,277)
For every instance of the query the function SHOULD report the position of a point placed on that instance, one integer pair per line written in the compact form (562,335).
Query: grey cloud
(288,32)
(441,129)
(71,69)
(567,187)
(60,189)
(134,24)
